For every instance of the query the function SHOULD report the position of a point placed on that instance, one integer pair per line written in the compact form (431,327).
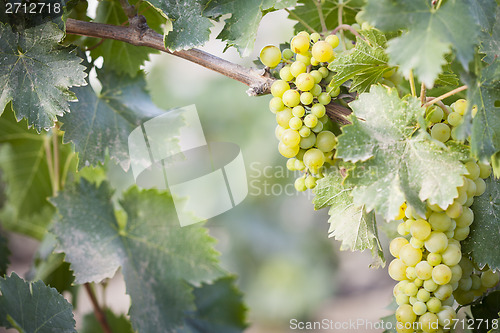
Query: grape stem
(422,94)
(412,84)
(347,27)
(439,103)
(443,96)
(98,312)
(321,17)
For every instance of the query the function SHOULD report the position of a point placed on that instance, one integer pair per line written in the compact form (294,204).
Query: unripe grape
(463,297)
(473,170)
(286,74)
(467,266)
(435,114)
(314,159)
(402,299)
(324,71)
(474,111)
(423,295)
(335,92)
(283,117)
(290,164)
(419,308)
(480,186)
(456,274)
(304,57)
(443,292)
(304,131)
(405,314)
(461,233)
(454,119)
(297,67)
(399,288)
(290,137)
(460,106)
(315,37)
(317,76)
(466,218)
(276,104)
(441,274)
(310,120)
(287,151)
(476,282)
(423,270)
(416,243)
(446,315)
(465,283)
(469,202)
(471,188)
(410,273)
(418,282)
(295,123)
(270,56)
(326,141)
(436,242)
(324,98)
(318,110)
(396,245)
(279,87)
(278,131)
(440,221)
(308,141)
(287,54)
(300,44)
(429,322)
(484,170)
(420,229)
(411,289)
(454,210)
(402,229)
(333,40)
(314,62)
(434,259)
(298,111)
(300,184)
(318,128)
(299,165)
(306,98)
(304,81)
(430,285)
(412,299)
(316,90)
(324,119)
(322,51)
(433,305)
(310,182)
(452,255)
(489,279)
(434,207)
(291,98)
(440,132)
(410,255)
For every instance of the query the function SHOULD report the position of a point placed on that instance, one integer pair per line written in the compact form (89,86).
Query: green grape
(436,242)
(291,98)
(278,132)
(314,62)
(310,182)
(287,151)
(463,297)
(304,81)
(276,104)
(416,243)
(461,233)
(318,110)
(322,51)
(286,74)
(454,119)
(441,274)
(399,288)
(476,282)
(484,170)
(300,184)
(324,71)
(304,131)
(402,230)
(420,229)
(324,98)
(411,273)
(446,315)
(454,210)
(405,314)
(396,245)
(324,119)
(435,114)
(308,141)
(304,57)
(315,37)
(299,165)
(333,40)
(306,98)
(326,141)
(465,283)
(440,132)
(318,128)
(300,44)
(430,285)
(452,255)
(270,56)
(418,282)
(402,299)
(434,207)
(316,90)
(480,187)
(290,137)
(279,87)
(283,118)
(419,308)
(410,255)
(471,188)
(462,195)
(317,76)
(335,92)
(456,274)
(467,266)
(310,120)
(314,159)
(489,279)
(433,305)
(423,295)
(295,123)
(440,221)
(298,111)
(473,170)
(423,270)
(402,327)
(434,259)
(443,292)
(297,67)
(460,106)
(304,33)
(466,218)
(290,164)
(287,54)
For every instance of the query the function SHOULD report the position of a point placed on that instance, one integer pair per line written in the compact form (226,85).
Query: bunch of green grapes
(299,100)
(429,265)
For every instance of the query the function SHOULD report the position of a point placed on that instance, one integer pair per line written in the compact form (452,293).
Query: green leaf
(219,308)
(119,56)
(118,324)
(23,162)
(240,30)
(349,222)
(483,242)
(483,12)
(486,310)
(307,11)
(159,259)
(34,307)
(35,74)
(364,64)
(4,255)
(189,28)
(395,161)
(102,123)
(490,43)
(430,34)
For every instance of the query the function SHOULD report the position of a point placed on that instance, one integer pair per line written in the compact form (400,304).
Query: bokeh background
(274,241)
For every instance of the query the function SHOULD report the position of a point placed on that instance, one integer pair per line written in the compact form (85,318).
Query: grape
(440,132)
(300,184)
(335,92)
(443,292)
(466,218)
(298,111)
(295,123)
(270,56)
(435,114)
(399,288)
(310,120)
(465,283)
(462,195)
(484,170)
(489,279)
(283,118)
(418,282)
(446,315)
(318,110)
(290,137)
(416,243)
(291,98)
(297,67)
(405,314)
(419,308)
(452,255)
(304,131)
(326,141)
(434,259)
(433,305)
(460,106)
(299,165)
(304,81)
(410,273)
(456,273)
(476,282)
(396,245)
(278,132)
(436,242)
(463,297)
(423,295)
(314,159)
(305,58)
(287,54)
(286,74)
(454,210)
(324,119)
(420,229)
(461,233)
(454,119)
(315,37)
(306,98)
(333,40)
(473,170)
(324,98)
(300,43)
(402,230)
(441,274)
(467,266)
(324,71)
(287,151)
(423,270)
(410,255)
(402,299)
(308,141)
(310,182)
(290,164)
(318,128)
(276,104)
(471,188)
(480,187)
(401,328)
(322,51)
(434,207)
(439,221)
(316,90)
(430,285)
(279,87)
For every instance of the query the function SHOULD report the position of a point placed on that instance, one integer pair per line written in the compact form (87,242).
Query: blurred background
(274,241)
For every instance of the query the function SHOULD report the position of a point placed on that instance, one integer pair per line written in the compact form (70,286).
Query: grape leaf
(240,30)
(364,64)
(490,43)
(189,28)
(35,74)
(307,11)
(394,160)
(349,223)
(483,12)
(483,242)
(159,259)
(219,308)
(116,323)
(431,34)
(23,162)
(486,309)
(34,307)
(101,123)
(4,255)
(119,56)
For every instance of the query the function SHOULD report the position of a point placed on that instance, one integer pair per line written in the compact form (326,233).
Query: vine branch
(443,96)
(99,313)
(347,27)
(142,35)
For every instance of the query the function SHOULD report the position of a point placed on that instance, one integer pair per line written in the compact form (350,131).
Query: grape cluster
(429,265)
(299,100)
